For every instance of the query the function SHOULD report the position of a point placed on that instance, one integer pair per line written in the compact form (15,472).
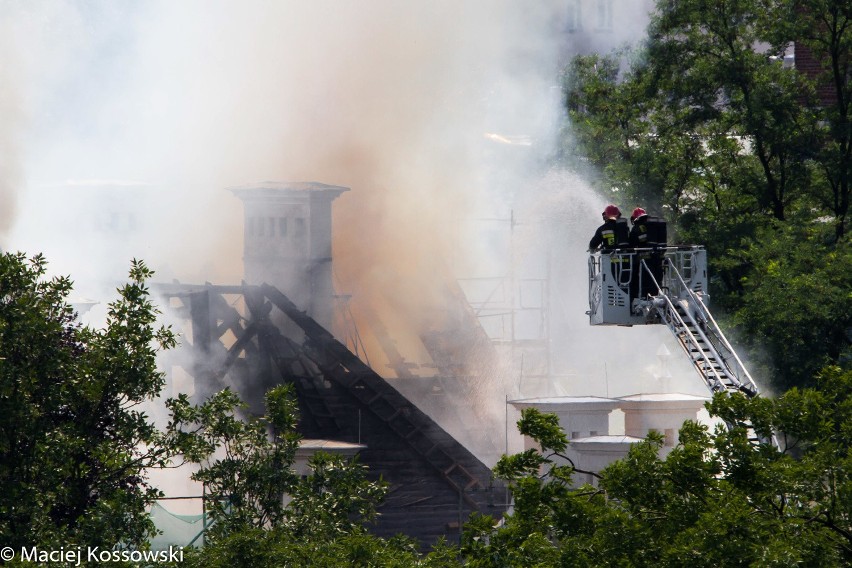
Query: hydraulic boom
(624,290)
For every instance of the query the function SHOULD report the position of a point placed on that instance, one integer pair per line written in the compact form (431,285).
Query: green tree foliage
(245,464)
(257,548)
(750,157)
(717,499)
(795,311)
(263,514)
(823,26)
(74,444)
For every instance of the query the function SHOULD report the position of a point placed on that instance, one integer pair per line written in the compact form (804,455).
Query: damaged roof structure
(275,329)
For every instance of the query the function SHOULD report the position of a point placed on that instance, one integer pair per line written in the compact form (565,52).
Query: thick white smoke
(389,98)
(425,109)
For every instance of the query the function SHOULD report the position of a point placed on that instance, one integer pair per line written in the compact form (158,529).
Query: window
(572,16)
(282,227)
(272,226)
(251,226)
(261,226)
(604,19)
(300,227)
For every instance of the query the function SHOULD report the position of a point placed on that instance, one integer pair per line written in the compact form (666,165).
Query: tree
(718,499)
(263,513)
(795,311)
(603,125)
(825,28)
(245,464)
(74,443)
(705,123)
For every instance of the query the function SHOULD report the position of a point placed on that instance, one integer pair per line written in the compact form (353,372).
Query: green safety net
(175,530)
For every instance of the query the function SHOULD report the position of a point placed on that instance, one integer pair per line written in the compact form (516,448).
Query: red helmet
(638,212)
(611,211)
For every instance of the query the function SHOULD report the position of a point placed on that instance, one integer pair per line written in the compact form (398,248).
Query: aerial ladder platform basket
(667,285)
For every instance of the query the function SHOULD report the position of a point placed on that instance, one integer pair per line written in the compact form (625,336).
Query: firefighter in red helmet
(610,237)
(639,231)
(648,239)
(613,233)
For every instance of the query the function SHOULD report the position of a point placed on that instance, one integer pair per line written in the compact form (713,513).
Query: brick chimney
(288,241)
(810,65)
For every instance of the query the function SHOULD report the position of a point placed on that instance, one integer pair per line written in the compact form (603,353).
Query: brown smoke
(389,98)
(397,100)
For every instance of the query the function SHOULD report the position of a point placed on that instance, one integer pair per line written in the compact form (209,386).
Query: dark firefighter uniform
(648,237)
(639,232)
(612,235)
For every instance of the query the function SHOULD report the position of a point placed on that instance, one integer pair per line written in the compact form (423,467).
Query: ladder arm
(715,338)
(699,335)
(694,347)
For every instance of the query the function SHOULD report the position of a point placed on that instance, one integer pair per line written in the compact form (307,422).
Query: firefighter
(648,238)
(639,230)
(609,237)
(613,233)
(647,231)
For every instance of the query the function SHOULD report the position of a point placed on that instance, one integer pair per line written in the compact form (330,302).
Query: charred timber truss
(253,337)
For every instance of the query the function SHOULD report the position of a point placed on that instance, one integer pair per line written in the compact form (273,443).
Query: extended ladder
(702,339)
(619,294)
(697,332)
